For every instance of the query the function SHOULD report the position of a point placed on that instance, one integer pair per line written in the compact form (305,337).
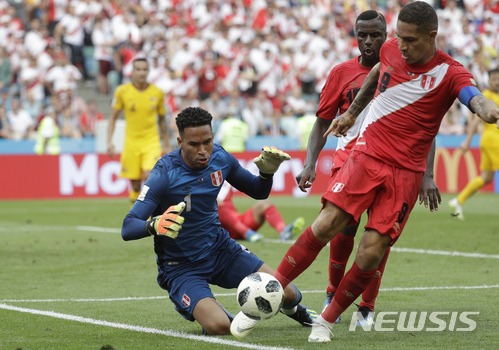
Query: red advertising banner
(97,175)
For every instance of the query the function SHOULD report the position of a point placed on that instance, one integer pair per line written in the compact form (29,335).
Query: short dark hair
(421,14)
(493,71)
(370,15)
(192,117)
(140,59)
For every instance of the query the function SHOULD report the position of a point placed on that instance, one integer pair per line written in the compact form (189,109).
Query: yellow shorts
(489,158)
(134,161)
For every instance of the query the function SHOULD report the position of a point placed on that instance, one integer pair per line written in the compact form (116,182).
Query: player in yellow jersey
(489,150)
(143,109)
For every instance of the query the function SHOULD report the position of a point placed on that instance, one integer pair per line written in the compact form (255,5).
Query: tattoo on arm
(482,106)
(366,93)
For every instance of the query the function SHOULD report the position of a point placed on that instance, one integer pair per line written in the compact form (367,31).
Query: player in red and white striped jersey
(383,174)
(343,83)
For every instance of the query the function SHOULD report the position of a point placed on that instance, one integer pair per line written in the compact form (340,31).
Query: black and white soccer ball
(260,296)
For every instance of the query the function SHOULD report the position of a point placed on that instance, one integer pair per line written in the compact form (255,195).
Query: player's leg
(233,222)
(366,307)
(488,164)
(371,250)
(266,211)
(242,325)
(190,292)
(131,169)
(242,265)
(251,223)
(291,305)
(143,162)
(351,186)
(136,186)
(388,214)
(302,253)
(212,317)
(340,248)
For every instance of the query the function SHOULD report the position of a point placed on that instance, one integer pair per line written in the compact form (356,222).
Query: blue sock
(296,301)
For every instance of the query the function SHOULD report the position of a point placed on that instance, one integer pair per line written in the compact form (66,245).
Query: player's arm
(164,132)
(111,124)
(257,187)
(341,124)
(137,225)
(429,192)
(254,186)
(479,104)
(315,145)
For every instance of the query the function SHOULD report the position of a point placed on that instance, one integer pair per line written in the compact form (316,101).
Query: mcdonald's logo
(451,166)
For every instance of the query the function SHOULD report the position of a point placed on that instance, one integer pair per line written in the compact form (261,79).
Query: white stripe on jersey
(402,95)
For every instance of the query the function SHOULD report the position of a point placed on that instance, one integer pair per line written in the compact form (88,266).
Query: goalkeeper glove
(269,160)
(167,224)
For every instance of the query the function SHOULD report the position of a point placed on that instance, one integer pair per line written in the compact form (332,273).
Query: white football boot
(321,331)
(242,325)
(456,209)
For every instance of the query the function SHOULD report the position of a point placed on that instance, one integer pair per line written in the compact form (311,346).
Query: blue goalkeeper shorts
(188,282)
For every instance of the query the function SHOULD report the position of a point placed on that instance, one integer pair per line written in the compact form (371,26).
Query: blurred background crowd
(261,62)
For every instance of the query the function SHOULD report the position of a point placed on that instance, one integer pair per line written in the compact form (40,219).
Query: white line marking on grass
(87,300)
(417,251)
(400,289)
(443,252)
(394,249)
(169,333)
(394,289)
(51,209)
(98,229)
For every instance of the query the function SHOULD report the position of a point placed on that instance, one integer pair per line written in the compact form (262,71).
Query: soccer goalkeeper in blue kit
(192,250)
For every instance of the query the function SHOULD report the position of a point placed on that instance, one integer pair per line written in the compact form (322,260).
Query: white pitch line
(443,252)
(417,251)
(394,249)
(169,333)
(98,229)
(394,289)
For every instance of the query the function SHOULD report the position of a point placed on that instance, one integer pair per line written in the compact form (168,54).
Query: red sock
(274,219)
(371,292)
(351,286)
(299,257)
(341,247)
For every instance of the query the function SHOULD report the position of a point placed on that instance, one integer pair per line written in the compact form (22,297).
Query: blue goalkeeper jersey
(172,181)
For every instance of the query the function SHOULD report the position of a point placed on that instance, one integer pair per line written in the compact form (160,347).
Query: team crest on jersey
(186,300)
(337,187)
(427,82)
(216,178)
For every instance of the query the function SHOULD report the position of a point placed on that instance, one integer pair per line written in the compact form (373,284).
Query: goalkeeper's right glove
(167,224)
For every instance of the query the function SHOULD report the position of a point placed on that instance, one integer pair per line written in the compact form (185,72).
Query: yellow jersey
(140,110)
(490,135)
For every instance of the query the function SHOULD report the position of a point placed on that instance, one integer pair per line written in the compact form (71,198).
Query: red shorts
(105,67)
(387,193)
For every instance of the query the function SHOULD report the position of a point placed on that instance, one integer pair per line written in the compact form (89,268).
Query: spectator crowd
(263,62)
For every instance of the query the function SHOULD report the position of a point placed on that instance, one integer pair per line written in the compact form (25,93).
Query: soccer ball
(260,296)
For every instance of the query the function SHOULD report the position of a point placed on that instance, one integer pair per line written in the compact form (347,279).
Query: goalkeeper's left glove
(167,224)
(269,160)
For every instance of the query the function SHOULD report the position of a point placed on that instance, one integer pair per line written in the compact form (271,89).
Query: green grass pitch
(68,281)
